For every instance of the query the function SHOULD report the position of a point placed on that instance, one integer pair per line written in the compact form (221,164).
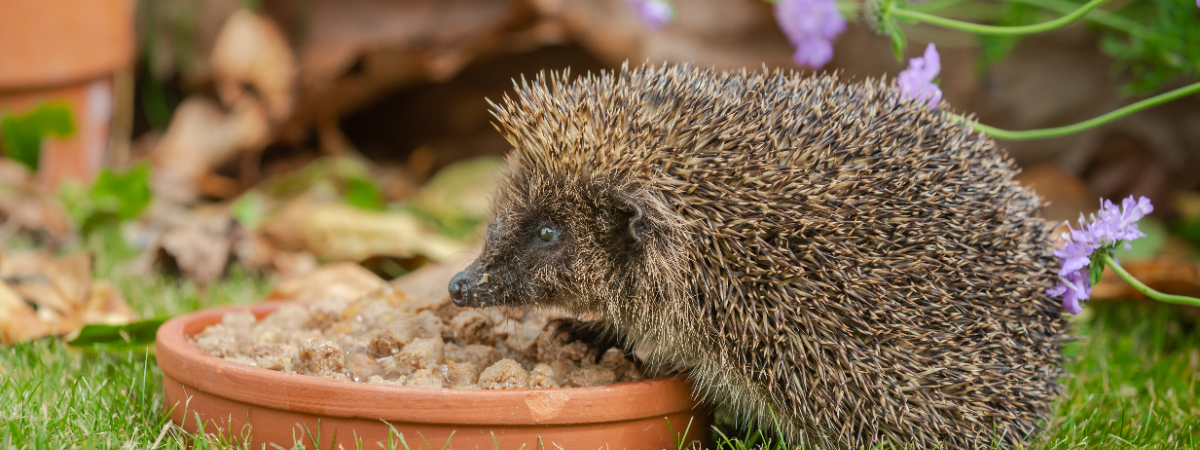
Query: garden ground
(1133,384)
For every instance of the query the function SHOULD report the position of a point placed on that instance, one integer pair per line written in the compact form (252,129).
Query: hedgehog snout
(459,286)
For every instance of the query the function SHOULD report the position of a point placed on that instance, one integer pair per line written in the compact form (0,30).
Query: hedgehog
(823,258)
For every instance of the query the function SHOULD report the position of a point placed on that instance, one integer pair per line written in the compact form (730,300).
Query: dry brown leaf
(290,264)
(343,281)
(251,51)
(24,264)
(199,248)
(27,207)
(341,232)
(107,306)
(52,306)
(18,321)
(357,50)
(1067,194)
(200,137)
(71,277)
(256,253)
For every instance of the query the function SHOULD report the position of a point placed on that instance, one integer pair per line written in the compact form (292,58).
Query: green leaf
(878,17)
(1169,49)
(1096,269)
(899,42)
(125,195)
(249,209)
(362,193)
(21,134)
(117,337)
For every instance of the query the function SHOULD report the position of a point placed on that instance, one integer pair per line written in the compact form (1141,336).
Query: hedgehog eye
(548,234)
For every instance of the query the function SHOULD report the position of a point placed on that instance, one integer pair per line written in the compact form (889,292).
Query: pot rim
(345,399)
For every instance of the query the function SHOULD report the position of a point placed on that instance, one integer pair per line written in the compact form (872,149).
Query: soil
(383,338)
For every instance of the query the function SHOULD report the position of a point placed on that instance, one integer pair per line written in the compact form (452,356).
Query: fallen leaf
(107,306)
(335,231)
(1068,196)
(198,248)
(256,253)
(461,191)
(52,307)
(27,207)
(71,277)
(23,264)
(116,337)
(357,50)
(18,321)
(251,51)
(200,137)
(343,281)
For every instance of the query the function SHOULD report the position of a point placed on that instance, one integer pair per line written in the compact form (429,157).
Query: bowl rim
(197,370)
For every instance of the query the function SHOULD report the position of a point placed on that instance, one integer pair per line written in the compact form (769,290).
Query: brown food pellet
(420,354)
(428,325)
(576,352)
(481,355)
(382,339)
(633,374)
(388,342)
(239,321)
(325,312)
(289,317)
(506,374)
(472,327)
(542,377)
(590,376)
(521,338)
(321,358)
(614,360)
(424,378)
(457,375)
(272,356)
(217,341)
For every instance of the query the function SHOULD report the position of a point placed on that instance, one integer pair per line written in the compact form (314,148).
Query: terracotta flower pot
(65,51)
(648,414)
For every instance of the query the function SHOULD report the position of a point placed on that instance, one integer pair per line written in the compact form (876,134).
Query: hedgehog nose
(458,288)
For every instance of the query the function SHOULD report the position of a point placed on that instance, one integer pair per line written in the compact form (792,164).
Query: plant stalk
(1141,287)
(1044,133)
(995,30)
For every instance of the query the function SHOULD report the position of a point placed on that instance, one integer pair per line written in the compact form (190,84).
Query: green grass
(1134,383)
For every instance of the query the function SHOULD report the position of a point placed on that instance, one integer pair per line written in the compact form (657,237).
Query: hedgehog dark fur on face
(859,263)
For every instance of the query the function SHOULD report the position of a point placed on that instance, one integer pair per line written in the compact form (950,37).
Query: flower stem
(1075,128)
(994,29)
(1101,17)
(1141,287)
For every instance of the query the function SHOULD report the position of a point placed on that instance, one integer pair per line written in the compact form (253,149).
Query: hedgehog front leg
(592,332)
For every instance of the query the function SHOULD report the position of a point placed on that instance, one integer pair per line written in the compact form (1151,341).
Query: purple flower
(1106,229)
(916,82)
(655,13)
(811,26)
(1120,224)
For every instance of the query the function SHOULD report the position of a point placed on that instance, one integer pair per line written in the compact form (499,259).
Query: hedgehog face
(549,243)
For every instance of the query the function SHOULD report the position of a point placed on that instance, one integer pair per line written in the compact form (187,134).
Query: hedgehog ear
(638,222)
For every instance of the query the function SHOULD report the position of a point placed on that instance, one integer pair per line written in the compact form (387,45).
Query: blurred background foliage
(259,143)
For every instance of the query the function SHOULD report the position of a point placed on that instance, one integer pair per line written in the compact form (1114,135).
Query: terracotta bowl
(277,406)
